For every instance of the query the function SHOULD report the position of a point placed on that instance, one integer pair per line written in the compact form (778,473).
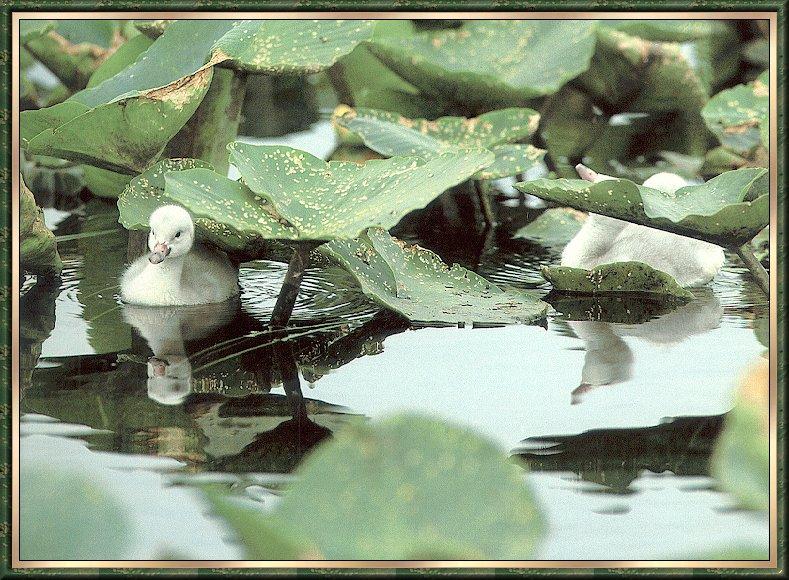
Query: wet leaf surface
(623,277)
(415,283)
(38,252)
(739,116)
(338,200)
(491,61)
(391,134)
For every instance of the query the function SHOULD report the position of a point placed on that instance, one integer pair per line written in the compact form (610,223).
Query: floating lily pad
(38,252)
(739,117)
(491,61)
(391,134)
(415,283)
(554,227)
(625,277)
(330,200)
(411,488)
(742,457)
(728,210)
(66,515)
(146,192)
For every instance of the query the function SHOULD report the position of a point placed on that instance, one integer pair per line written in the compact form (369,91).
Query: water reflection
(609,359)
(215,389)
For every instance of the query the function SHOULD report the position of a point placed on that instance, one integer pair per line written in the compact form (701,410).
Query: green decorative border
(8,6)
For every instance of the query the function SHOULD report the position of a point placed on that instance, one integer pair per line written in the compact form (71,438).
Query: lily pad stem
(290,286)
(483,193)
(755,267)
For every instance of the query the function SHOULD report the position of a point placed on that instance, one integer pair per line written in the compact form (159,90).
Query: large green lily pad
(624,277)
(742,457)
(289,46)
(739,117)
(728,210)
(491,61)
(337,200)
(391,134)
(555,227)
(65,515)
(409,488)
(642,75)
(146,192)
(415,283)
(38,252)
(123,123)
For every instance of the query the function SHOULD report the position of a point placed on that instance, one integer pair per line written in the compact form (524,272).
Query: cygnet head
(665,182)
(172,233)
(169,379)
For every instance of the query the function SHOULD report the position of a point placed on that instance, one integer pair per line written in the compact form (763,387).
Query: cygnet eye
(178,235)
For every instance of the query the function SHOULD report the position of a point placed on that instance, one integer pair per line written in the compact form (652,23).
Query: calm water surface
(614,407)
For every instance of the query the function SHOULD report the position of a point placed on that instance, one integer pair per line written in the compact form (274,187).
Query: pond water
(613,407)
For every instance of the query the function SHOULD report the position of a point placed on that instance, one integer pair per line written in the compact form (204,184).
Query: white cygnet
(604,240)
(178,272)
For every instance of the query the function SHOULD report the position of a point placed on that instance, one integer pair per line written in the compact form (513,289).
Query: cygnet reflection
(168,330)
(609,360)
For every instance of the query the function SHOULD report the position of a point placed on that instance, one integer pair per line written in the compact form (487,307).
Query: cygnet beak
(585,173)
(158,365)
(160,252)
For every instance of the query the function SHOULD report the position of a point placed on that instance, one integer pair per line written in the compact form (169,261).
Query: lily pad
(625,277)
(642,75)
(491,61)
(728,210)
(289,46)
(554,227)
(391,134)
(742,457)
(146,192)
(123,123)
(38,252)
(739,117)
(412,488)
(52,527)
(415,283)
(337,200)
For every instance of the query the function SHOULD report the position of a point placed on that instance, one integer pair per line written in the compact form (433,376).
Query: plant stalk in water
(755,267)
(483,193)
(290,286)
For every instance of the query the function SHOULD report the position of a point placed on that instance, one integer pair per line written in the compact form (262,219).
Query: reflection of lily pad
(413,488)
(618,308)
(728,210)
(491,60)
(554,227)
(417,284)
(739,116)
(391,134)
(618,277)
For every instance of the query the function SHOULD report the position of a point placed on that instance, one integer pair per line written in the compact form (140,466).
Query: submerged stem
(755,267)
(290,287)
(483,194)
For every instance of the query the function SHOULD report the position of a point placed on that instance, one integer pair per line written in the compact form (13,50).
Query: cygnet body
(604,240)
(178,272)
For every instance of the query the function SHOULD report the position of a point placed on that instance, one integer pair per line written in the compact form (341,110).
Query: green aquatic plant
(145,104)
(411,488)
(38,252)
